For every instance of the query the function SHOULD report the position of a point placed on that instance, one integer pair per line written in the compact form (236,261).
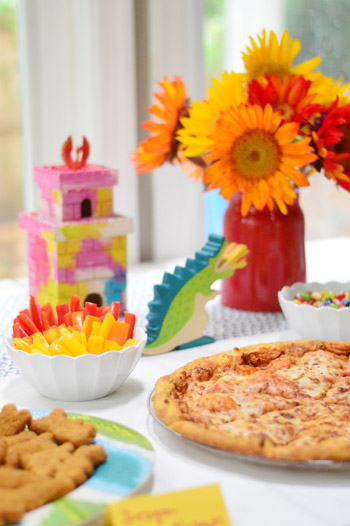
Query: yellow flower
(328,89)
(253,153)
(202,115)
(268,57)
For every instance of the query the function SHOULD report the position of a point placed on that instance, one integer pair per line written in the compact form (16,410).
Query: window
(322,28)
(12,240)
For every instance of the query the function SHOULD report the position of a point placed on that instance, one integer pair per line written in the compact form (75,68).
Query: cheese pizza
(285,400)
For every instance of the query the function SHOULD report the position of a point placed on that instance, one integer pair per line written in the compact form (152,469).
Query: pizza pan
(328,465)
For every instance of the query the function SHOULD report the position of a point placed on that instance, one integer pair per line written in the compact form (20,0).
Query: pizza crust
(297,374)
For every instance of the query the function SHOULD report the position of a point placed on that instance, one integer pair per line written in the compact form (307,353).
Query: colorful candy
(75,331)
(323,298)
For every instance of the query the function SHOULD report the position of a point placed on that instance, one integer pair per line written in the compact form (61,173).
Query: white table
(254,494)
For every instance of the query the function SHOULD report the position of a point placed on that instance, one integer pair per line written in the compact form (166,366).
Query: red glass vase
(276,255)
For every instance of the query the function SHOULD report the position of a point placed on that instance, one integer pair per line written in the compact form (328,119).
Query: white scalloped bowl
(323,323)
(75,379)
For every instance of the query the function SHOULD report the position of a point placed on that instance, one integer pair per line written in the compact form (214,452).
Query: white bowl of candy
(317,310)
(81,353)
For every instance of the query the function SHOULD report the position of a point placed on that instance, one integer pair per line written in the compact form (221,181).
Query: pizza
(284,400)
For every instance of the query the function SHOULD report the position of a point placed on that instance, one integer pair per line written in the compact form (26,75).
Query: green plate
(129,465)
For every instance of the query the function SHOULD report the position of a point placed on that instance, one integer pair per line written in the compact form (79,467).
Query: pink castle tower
(76,245)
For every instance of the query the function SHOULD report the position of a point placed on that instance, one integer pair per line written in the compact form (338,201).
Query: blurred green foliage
(8,16)
(213,38)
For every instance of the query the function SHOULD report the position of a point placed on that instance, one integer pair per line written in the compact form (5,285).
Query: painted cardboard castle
(76,245)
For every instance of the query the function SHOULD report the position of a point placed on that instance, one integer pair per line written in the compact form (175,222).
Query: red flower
(289,95)
(330,132)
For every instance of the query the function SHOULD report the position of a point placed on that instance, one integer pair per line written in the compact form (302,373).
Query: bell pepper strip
(87,327)
(75,303)
(130,319)
(44,321)
(107,325)
(115,309)
(112,346)
(35,313)
(16,330)
(52,334)
(96,326)
(25,311)
(130,342)
(119,332)
(91,308)
(50,315)
(95,345)
(68,319)
(61,311)
(22,345)
(78,320)
(27,324)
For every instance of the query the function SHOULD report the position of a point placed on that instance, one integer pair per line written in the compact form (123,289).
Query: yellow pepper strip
(51,351)
(61,349)
(95,344)
(28,340)
(35,350)
(130,342)
(73,344)
(39,347)
(23,346)
(87,327)
(96,325)
(39,342)
(52,334)
(114,346)
(107,325)
(83,341)
(65,332)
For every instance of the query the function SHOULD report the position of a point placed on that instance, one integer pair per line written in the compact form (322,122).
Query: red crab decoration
(82,153)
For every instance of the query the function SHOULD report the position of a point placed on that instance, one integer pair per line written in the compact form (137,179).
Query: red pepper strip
(103,311)
(115,309)
(25,311)
(45,320)
(23,334)
(35,313)
(75,303)
(68,319)
(130,319)
(27,324)
(78,320)
(50,315)
(16,330)
(91,308)
(61,311)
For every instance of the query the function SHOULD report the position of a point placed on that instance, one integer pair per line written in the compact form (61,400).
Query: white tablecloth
(254,494)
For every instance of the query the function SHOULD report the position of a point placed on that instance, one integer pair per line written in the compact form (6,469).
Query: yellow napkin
(203,506)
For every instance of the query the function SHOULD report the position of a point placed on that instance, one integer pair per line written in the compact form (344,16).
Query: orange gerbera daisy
(253,153)
(290,95)
(163,145)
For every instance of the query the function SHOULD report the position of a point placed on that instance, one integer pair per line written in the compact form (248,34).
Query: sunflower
(290,95)
(328,90)
(163,145)
(252,152)
(269,56)
(202,116)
